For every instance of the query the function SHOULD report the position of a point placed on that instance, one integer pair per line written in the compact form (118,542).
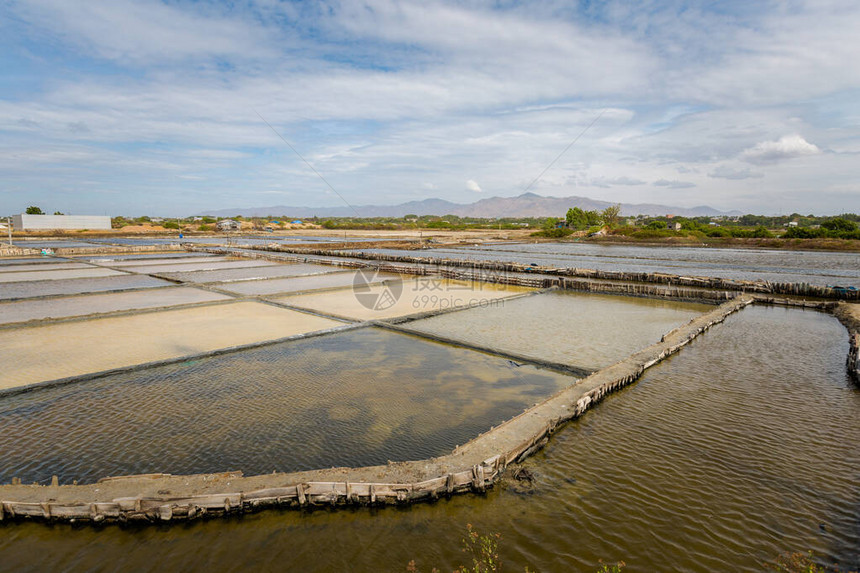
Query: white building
(228,225)
(49,222)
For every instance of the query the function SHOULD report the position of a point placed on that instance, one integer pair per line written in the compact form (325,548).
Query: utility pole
(9,227)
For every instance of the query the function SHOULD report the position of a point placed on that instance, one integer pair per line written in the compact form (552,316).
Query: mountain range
(525,205)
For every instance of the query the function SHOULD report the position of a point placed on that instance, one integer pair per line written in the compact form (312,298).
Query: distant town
(576,223)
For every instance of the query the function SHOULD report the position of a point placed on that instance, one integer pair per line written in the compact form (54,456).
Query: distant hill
(525,205)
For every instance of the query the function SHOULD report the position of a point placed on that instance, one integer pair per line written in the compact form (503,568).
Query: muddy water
(288,407)
(741,447)
(586,330)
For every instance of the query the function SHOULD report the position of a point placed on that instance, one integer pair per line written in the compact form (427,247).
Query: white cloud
(673,184)
(786,147)
(146,30)
(607,182)
(726,172)
(381,94)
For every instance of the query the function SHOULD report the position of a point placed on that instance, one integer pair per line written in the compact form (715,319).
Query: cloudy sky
(160,107)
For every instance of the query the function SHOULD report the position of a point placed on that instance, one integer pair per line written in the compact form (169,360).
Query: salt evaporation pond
(400,298)
(41,353)
(32,289)
(741,447)
(205,265)
(820,268)
(87,304)
(47,274)
(585,330)
(298,284)
(264,272)
(290,406)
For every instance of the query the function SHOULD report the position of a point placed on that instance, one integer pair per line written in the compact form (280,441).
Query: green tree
(33,210)
(550,223)
(57,213)
(576,218)
(610,215)
(580,219)
(761,232)
(839,224)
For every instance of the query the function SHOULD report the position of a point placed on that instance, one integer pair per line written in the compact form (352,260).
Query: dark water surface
(351,399)
(743,446)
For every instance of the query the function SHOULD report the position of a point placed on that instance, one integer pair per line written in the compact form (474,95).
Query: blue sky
(149,107)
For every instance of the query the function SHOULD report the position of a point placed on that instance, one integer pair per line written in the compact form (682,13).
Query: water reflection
(356,398)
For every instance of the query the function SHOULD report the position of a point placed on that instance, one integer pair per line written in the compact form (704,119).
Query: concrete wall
(30,222)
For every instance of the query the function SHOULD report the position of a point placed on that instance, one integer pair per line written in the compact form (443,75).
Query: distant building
(227,225)
(676,226)
(25,222)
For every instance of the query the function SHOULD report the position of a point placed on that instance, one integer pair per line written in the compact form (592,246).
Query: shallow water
(297,284)
(82,305)
(742,446)
(292,406)
(822,268)
(213,265)
(585,330)
(52,351)
(168,255)
(48,274)
(27,261)
(155,261)
(53,244)
(55,266)
(403,297)
(31,289)
(267,272)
